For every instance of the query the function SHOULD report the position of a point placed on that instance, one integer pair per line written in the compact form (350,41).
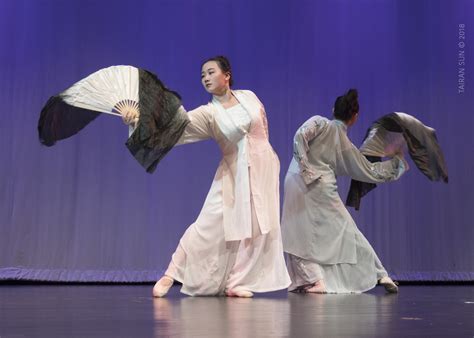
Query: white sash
(239,225)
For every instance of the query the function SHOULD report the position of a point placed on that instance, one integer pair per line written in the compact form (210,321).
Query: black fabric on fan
(160,123)
(160,126)
(59,120)
(422,146)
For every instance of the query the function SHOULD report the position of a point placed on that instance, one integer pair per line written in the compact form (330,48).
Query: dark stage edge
(130,311)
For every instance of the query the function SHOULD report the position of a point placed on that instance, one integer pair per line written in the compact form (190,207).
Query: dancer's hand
(402,165)
(399,154)
(130,117)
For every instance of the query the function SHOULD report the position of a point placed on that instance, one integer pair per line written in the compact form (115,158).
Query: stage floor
(130,311)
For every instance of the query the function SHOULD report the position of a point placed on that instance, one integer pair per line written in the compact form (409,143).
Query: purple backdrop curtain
(84,210)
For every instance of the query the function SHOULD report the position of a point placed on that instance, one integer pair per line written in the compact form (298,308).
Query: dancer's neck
(224,97)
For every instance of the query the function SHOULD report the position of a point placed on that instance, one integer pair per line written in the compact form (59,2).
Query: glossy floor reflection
(130,311)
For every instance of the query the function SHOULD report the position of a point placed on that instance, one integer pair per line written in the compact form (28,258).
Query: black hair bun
(347,106)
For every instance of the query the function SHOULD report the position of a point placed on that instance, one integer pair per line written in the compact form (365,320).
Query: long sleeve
(265,122)
(307,132)
(199,127)
(354,164)
(263,114)
(131,129)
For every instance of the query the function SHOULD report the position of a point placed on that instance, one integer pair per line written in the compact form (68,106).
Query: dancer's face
(213,79)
